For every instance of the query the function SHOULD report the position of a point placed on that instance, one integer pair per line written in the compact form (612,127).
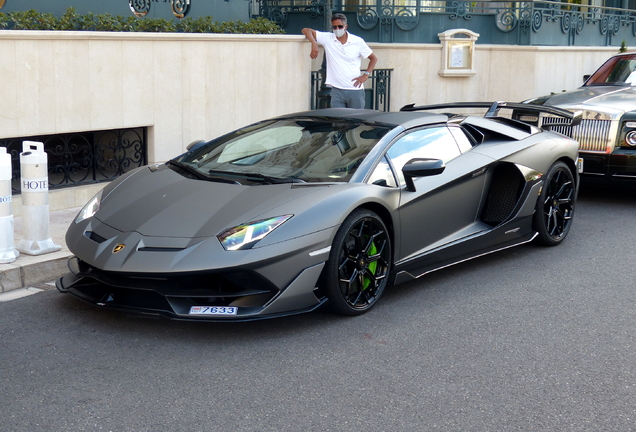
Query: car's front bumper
(617,168)
(174,296)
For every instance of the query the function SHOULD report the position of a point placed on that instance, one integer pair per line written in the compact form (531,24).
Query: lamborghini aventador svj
(321,207)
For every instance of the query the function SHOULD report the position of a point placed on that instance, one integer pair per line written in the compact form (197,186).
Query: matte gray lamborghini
(328,206)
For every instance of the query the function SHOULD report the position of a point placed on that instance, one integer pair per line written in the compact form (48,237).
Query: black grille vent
(505,189)
(159,249)
(95,237)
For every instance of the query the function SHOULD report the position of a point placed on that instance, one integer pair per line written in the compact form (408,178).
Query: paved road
(530,339)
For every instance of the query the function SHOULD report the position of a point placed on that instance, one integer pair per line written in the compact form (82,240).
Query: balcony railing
(510,23)
(378,95)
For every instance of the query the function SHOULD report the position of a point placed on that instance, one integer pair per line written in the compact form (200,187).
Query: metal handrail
(380,90)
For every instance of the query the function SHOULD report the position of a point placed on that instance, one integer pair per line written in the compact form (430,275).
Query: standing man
(344,53)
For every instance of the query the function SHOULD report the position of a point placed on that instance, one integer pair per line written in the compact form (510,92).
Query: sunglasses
(337,27)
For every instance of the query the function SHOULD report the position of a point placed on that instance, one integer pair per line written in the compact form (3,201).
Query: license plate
(579,165)
(213,310)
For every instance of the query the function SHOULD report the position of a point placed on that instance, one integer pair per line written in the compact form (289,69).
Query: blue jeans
(347,98)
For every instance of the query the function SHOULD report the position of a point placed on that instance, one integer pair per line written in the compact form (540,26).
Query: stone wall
(504,72)
(185,87)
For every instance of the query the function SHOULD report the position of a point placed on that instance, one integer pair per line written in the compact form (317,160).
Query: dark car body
(324,206)
(607,132)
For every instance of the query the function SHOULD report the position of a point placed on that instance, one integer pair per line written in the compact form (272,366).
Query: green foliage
(70,20)
(196,25)
(155,25)
(259,25)
(30,20)
(623,47)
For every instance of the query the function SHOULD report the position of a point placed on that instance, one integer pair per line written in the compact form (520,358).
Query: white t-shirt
(343,61)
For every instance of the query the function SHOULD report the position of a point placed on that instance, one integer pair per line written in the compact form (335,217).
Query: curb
(32,270)
(44,270)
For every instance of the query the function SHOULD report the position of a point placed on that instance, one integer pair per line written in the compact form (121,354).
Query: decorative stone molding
(458,53)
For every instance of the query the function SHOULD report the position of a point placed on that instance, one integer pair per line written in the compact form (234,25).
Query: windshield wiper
(257,177)
(198,174)
(272,180)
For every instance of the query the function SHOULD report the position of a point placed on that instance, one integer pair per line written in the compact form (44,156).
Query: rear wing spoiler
(494,107)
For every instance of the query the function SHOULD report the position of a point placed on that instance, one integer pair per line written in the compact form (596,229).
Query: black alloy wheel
(555,207)
(359,263)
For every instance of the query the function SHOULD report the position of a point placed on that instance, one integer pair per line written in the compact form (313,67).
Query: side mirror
(421,168)
(585,78)
(195,144)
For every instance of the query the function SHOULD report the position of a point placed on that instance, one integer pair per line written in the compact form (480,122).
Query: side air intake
(505,189)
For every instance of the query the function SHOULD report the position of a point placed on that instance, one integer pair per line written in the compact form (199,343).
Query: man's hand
(310,34)
(357,82)
(314,50)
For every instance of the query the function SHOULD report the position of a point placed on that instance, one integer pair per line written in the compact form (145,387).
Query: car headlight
(631,138)
(90,208)
(247,235)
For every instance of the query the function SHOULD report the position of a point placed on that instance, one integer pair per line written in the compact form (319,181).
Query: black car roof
(405,119)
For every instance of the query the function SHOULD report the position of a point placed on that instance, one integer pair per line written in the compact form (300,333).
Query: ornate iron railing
(140,8)
(378,96)
(85,157)
(526,23)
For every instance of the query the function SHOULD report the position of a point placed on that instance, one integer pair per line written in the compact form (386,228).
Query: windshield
(290,150)
(617,70)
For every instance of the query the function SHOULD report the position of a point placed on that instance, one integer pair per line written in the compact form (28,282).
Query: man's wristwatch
(367,73)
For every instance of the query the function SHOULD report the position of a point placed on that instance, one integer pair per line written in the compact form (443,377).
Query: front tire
(555,206)
(359,263)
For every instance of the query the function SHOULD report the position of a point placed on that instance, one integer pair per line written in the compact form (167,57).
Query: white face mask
(339,32)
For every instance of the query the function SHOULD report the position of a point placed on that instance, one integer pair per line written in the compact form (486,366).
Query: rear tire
(359,263)
(555,206)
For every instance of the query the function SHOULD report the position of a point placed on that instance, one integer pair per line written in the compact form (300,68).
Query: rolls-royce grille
(592,135)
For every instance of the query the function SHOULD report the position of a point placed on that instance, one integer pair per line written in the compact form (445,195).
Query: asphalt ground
(529,339)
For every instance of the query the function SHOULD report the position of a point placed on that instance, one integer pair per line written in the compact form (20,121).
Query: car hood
(163,203)
(607,99)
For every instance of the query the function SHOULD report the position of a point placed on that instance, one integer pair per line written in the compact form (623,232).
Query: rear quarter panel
(538,151)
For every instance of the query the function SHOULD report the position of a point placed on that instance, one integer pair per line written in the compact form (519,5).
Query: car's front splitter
(251,304)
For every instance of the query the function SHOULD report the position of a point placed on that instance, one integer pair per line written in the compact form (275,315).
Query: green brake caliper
(372,267)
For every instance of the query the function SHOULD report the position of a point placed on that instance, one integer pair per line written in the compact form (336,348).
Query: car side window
(382,175)
(429,143)
(462,140)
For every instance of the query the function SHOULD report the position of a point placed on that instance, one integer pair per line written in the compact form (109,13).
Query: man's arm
(310,34)
(373,59)
(357,82)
